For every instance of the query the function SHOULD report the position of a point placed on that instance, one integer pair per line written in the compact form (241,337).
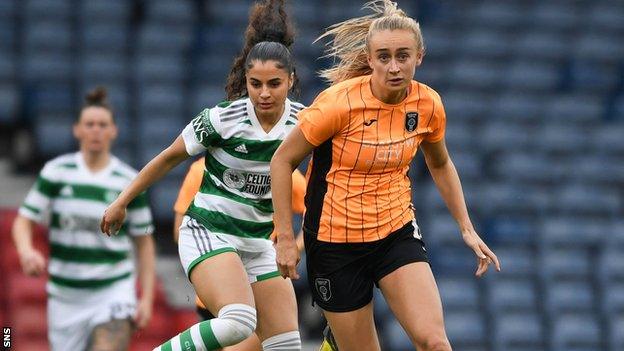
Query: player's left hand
(485,256)
(143,313)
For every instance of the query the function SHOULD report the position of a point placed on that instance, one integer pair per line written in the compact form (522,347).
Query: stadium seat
(483,43)
(441,231)
(465,329)
(104,38)
(557,231)
(564,264)
(616,332)
(27,290)
(60,10)
(53,35)
(532,77)
(613,299)
(459,294)
(171,11)
(478,75)
(9,103)
(53,135)
(543,45)
(505,15)
(611,265)
(511,294)
(395,338)
(581,199)
(502,135)
(518,331)
(115,12)
(576,332)
(566,297)
(511,230)
(28,321)
(520,107)
(47,68)
(155,38)
(556,15)
(600,47)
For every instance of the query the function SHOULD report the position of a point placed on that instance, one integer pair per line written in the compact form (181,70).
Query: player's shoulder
(229,110)
(423,91)
(60,164)
(334,98)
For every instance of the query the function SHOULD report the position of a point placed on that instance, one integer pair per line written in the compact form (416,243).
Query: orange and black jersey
(358,187)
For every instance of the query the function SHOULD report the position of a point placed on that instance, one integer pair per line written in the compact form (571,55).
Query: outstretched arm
(157,168)
(447,181)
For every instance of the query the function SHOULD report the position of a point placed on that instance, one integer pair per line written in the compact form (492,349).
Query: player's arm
(157,168)
(31,260)
(447,181)
(146,264)
(177,222)
(287,157)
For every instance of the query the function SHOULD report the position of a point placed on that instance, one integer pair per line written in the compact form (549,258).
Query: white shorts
(196,243)
(74,313)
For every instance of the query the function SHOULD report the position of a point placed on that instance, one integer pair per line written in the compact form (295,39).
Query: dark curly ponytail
(269,36)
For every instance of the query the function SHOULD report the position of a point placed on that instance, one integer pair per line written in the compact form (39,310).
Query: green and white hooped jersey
(235,195)
(70,200)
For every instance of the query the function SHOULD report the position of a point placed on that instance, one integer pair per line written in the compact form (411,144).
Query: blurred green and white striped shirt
(70,200)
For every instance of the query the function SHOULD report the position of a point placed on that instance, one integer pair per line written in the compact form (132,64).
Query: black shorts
(342,275)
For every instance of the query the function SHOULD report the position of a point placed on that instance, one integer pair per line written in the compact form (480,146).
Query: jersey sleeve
(298,192)
(38,202)
(438,122)
(322,120)
(140,216)
(200,133)
(190,186)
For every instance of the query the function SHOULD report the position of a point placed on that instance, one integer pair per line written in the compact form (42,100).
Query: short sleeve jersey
(358,187)
(235,194)
(71,199)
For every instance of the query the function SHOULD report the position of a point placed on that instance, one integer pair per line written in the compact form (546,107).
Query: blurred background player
(224,241)
(360,227)
(189,188)
(92,303)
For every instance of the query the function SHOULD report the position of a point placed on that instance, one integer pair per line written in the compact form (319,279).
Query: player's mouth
(395,81)
(265,105)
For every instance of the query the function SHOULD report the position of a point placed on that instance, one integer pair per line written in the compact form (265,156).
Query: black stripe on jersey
(317,187)
(233,110)
(233,117)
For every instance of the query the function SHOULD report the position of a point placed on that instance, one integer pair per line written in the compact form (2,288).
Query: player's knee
(285,341)
(240,320)
(435,343)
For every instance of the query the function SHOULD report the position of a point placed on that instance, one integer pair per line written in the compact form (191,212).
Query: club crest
(323,287)
(411,121)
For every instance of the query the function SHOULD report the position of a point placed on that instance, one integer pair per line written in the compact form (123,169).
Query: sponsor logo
(202,126)
(241,148)
(258,184)
(368,123)
(75,223)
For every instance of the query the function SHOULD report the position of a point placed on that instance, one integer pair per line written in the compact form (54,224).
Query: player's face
(393,57)
(95,130)
(268,87)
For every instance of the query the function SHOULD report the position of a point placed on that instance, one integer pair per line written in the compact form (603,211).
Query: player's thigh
(412,294)
(354,330)
(221,280)
(276,305)
(113,335)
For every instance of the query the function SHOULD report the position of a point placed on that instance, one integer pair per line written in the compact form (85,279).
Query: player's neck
(268,121)
(95,161)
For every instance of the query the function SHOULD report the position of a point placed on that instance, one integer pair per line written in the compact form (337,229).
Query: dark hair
(96,98)
(268,37)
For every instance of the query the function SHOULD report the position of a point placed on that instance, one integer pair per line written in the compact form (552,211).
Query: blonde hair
(349,45)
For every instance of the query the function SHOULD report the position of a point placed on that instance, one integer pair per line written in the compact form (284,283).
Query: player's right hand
(32,262)
(287,256)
